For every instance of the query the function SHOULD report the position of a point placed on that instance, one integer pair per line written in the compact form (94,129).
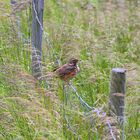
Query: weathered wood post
(117,95)
(37,30)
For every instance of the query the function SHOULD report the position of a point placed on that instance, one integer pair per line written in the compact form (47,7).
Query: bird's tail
(49,75)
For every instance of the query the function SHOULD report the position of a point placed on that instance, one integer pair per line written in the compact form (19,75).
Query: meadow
(102,34)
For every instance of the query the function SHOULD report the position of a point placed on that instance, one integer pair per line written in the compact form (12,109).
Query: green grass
(92,31)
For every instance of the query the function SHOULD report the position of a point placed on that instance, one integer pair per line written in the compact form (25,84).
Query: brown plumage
(68,71)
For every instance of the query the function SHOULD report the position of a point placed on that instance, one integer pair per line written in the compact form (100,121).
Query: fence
(114,122)
(116,116)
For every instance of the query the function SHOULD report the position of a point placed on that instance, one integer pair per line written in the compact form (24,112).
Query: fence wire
(38,61)
(99,111)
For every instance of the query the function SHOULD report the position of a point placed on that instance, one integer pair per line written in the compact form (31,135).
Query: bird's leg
(66,88)
(70,83)
(65,93)
(64,103)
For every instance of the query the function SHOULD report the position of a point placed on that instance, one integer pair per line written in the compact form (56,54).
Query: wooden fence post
(37,30)
(117,95)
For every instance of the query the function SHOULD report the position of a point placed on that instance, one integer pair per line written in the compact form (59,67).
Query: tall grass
(102,35)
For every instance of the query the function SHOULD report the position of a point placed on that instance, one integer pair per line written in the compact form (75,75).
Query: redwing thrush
(68,71)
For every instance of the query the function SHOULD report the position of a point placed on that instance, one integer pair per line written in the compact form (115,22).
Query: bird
(68,71)
(65,72)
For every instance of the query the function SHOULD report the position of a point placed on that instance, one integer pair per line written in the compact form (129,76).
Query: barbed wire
(110,128)
(37,54)
(70,127)
(83,103)
(46,35)
(41,26)
(36,62)
(100,113)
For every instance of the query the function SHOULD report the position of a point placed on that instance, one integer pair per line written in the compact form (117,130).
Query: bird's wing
(65,69)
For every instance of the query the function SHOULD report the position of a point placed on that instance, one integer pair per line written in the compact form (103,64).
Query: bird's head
(73,61)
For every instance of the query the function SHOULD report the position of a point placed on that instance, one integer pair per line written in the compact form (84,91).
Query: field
(102,34)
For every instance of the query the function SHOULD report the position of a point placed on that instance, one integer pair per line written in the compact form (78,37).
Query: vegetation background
(102,34)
